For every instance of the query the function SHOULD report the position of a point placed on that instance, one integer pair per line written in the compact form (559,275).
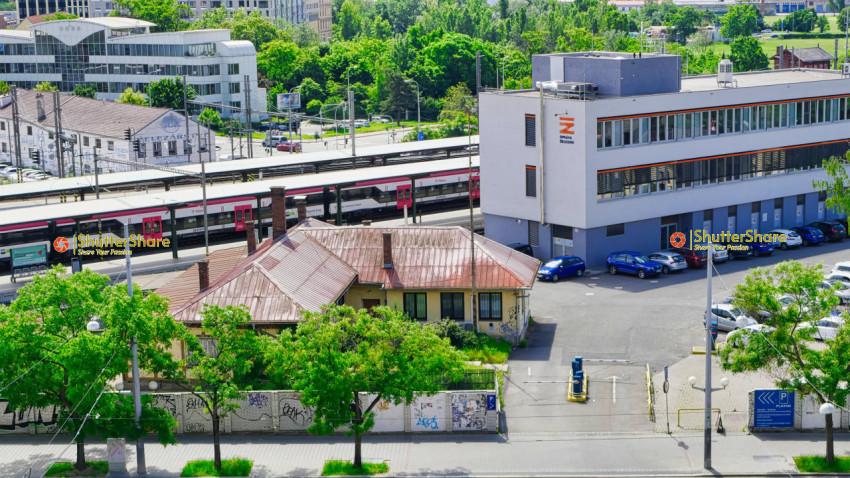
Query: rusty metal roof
(186,285)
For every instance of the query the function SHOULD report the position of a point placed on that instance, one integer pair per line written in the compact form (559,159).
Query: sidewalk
(479,455)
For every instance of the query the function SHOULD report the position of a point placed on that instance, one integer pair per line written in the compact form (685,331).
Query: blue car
(632,262)
(762,248)
(561,267)
(810,235)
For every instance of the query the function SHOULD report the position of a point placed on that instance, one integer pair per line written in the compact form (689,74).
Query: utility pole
(141,468)
(186,112)
(708,349)
(351,121)
(16,129)
(204,188)
(250,132)
(475,322)
(96,178)
(846,30)
(477,72)
(57,120)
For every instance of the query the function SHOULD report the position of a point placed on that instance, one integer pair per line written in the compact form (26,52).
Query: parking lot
(655,321)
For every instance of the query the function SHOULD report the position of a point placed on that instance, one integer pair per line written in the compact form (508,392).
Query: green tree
(822,23)
(836,6)
(85,91)
(168,93)
(457,105)
(786,345)
(253,27)
(684,22)
(801,21)
(46,87)
(49,359)
(836,185)
(219,373)
(133,97)
(4,88)
(741,20)
(278,60)
(400,95)
(168,15)
(350,20)
(747,54)
(842,19)
(60,16)
(401,14)
(351,352)
(211,117)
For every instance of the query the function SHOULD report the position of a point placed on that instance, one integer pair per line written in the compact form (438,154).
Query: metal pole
(289,125)
(846,30)
(16,127)
(250,134)
(141,468)
(708,343)
(57,119)
(351,122)
(475,321)
(186,111)
(204,181)
(418,115)
(96,179)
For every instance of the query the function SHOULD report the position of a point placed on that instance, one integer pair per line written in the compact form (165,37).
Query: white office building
(619,152)
(112,54)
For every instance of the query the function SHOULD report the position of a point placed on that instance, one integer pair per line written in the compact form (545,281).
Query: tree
(822,23)
(842,19)
(400,95)
(747,54)
(801,21)
(46,87)
(741,20)
(277,60)
(350,20)
(60,16)
(219,373)
(168,93)
(85,91)
(252,27)
(211,117)
(4,88)
(353,352)
(133,97)
(836,6)
(837,184)
(168,15)
(49,359)
(785,347)
(685,22)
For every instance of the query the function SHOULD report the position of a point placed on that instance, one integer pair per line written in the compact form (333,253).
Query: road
(309,144)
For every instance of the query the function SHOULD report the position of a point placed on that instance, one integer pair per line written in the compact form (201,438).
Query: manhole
(768,458)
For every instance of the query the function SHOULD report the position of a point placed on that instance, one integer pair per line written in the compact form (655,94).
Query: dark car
(832,230)
(524,248)
(761,248)
(564,266)
(692,257)
(810,235)
(632,262)
(738,250)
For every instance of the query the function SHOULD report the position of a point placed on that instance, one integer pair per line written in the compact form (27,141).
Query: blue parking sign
(421,136)
(774,409)
(491,402)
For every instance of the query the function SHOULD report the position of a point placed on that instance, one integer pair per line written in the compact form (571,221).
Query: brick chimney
(39,104)
(252,239)
(301,205)
(203,276)
(388,250)
(278,212)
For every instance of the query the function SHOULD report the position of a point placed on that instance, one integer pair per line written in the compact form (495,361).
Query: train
(361,197)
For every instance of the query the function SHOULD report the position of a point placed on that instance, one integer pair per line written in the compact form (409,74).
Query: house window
(157,148)
(4,147)
(50,135)
(615,230)
(29,130)
(490,305)
(530,130)
(97,143)
(110,145)
(85,140)
(172,148)
(142,148)
(451,305)
(2,126)
(533,233)
(233,69)
(531,181)
(415,305)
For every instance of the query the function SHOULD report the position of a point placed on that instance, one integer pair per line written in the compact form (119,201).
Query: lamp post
(418,117)
(392,123)
(503,72)
(348,79)
(289,116)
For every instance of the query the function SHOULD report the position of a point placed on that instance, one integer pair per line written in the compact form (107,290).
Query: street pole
(475,321)
(289,123)
(846,30)
(351,122)
(186,112)
(57,120)
(16,127)
(418,115)
(708,349)
(204,181)
(96,179)
(250,134)
(141,468)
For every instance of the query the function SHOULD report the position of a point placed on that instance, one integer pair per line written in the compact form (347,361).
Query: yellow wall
(355,295)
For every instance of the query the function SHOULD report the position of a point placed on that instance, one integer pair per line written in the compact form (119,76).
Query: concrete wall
(806,416)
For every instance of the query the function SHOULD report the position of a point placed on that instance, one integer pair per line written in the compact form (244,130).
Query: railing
(649,394)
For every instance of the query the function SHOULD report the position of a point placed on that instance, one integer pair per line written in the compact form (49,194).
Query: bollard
(580,361)
(578,380)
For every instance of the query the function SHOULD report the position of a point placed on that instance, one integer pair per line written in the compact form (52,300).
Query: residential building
(617,151)
(113,54)
(97,127)
(815,57)
(319,14)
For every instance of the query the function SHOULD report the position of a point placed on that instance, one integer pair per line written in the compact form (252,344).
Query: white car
(729,317)
(361,123)
(840,288)
(720,254)
(383,120)
(841,267)
(826,328)
(273,141)
(670,261)
(792,239)
(787,301)
(742,336)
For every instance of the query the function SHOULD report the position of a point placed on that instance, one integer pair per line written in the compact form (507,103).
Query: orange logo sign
(567,125)
(677,239)
(60,244)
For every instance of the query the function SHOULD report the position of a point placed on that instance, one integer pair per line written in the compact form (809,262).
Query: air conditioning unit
(468,326)
(724,72)
(575,90)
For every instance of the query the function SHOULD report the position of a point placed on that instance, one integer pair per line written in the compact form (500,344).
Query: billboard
(287,101)
(29,256)
(774,409)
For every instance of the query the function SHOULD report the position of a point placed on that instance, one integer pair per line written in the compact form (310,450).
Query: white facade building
(651,153)
(113,54)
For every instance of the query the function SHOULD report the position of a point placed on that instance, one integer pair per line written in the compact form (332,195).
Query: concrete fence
(803,412)
(282,412)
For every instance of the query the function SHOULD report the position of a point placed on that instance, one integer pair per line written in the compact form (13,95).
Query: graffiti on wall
(254,413)
(428,413)
(469,411)
(197,420)
(389,417)
(293,415)
(15,421)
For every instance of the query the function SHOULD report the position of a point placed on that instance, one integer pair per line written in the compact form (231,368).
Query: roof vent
(724,73)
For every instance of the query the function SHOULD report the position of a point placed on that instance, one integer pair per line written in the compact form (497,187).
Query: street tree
(85,91)
(400,96)
(685,21)
(211,117)
(837,183)
(4,88)
(50,359)
(741,20)
(133,97)
(842,19)
(46,87)
(168,93)
(801,21)
(336,355)
(218,373)
(785,347)
(822,23)
(747,54)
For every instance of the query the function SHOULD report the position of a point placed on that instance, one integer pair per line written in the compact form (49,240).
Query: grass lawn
(234,467)
(491,351)
(833,22)
(340,467)
(769,45)
(63,468)
(818,464)
(408,127)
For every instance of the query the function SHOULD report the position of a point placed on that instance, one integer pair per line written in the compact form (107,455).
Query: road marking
(653,282)
(529,371)
(614,387)
(589,293)
(618,287)
(544,381)
(607,360)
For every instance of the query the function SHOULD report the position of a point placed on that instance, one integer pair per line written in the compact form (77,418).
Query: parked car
(842,277)
(809,235)
(361,123)
(283,125)
(720,254)
(559,267)
(264,126)
(832,230)
(382,120)
(286,145)
(761,248)
(840,267)
(840,288)
(632,262)
(741,336)
(274,140)
(670,261)
(788,301)
(692,257)
(792,239)
(738,250)
(729,317)
(524,248)
(825,328)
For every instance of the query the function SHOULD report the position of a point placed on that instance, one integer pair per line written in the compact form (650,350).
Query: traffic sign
(773,409)
(421,136)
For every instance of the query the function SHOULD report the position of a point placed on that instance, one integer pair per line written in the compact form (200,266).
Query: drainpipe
(542,175)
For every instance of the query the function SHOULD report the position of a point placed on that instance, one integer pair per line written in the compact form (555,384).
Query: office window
(490,305)
(533,233)
(234,88)
(451,305)
(615,230)
(531,181)
(233,69)
(172,148)
(415,305)
(530,130)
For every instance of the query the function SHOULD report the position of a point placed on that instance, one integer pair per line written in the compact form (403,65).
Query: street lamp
(418,117)
(392,123)
(289,116)
(348,79)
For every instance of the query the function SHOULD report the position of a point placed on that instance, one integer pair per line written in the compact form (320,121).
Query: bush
(490,350)
(459,338)
(340,467)
(234,467)
(64,468)
(818,464)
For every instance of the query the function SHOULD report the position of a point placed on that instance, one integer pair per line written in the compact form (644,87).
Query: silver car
(729,317)
(670,261)
(841,289)
(720,254)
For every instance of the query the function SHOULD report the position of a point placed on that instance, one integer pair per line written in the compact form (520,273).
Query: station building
(614,151)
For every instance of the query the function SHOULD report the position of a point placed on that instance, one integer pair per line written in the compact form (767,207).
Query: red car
(287,146)
(692,257)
